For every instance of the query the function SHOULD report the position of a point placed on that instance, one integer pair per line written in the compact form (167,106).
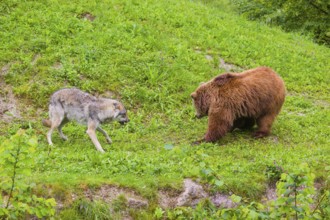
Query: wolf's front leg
(105,134)
(91,133)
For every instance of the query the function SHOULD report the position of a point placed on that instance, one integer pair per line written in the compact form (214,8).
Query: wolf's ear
(223,79)
(116,105)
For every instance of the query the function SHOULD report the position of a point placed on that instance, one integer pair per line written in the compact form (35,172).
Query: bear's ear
(223,78)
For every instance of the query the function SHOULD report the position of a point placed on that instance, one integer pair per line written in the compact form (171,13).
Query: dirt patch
(222,200)
(208,57)
(88,16)
(108,194)
(229,67)
(35,58)
(8,103)
(57,66)
(167,198)
(5,69)
(191,195)
(109,95)
(322,103)
(270,194)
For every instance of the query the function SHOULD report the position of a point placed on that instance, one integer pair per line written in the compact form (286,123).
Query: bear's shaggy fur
(239,100)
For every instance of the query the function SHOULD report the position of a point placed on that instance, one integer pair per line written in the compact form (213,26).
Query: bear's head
(201,100)
(207,93)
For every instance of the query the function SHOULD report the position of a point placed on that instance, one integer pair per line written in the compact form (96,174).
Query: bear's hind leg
(264,125)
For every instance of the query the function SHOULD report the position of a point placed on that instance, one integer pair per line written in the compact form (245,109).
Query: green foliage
(295,192)
(311,17)
(120,203)
(16,164)
(273,173)
(92,210)
(159,212)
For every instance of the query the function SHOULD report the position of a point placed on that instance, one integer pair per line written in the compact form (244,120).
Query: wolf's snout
(122,122)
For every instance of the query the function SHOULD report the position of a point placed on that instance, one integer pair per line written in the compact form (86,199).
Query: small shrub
(16,163)
(311,17)
(273,173)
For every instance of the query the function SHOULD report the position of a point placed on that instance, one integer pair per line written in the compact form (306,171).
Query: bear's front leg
(218,126)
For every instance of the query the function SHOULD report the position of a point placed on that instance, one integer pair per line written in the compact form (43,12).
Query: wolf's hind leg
(92,126)
(55,123)
(64,121)
(105,134)
(56,115)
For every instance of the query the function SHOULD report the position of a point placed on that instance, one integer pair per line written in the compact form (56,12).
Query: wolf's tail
(46,123)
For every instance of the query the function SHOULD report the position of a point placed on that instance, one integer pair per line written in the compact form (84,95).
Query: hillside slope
(151,55)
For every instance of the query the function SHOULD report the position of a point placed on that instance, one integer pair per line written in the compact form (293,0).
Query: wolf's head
(121,113)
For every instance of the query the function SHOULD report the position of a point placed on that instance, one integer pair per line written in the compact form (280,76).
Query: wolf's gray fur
(73,104)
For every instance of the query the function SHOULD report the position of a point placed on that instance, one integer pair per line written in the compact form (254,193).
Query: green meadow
(151,55)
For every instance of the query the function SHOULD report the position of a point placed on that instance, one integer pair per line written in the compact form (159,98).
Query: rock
(136,203)
(221,200)
(192,194)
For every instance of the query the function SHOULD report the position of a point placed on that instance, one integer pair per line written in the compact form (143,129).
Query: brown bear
(239,100)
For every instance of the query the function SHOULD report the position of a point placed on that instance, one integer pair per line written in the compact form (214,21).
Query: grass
(151,55)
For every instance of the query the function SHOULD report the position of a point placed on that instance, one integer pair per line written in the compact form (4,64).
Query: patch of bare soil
(8,103)
(57,66)
(35,59)
(270,194)
(88,16)
(191,195)
(228,67)
(108,193)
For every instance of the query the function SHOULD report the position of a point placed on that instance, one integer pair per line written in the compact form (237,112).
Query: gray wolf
(71,104)
(239,100)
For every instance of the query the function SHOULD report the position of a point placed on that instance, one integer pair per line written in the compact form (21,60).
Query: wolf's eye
(122,112)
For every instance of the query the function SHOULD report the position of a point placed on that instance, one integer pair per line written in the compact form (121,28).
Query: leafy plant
(158,213)
(312,16)
(273,173)
(294,191)
(16,163)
